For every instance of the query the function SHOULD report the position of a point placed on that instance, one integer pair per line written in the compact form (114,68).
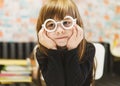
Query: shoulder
(37,53)
(89,51)
(90,47)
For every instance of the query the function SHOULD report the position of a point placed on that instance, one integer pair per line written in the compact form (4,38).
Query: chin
(61,46)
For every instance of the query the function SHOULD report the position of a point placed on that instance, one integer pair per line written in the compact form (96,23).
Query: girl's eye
(67,23)
(50,25)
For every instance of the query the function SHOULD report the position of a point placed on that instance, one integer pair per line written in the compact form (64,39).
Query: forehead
(67,17)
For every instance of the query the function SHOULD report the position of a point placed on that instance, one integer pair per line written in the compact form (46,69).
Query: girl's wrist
(54,48)
(71,48)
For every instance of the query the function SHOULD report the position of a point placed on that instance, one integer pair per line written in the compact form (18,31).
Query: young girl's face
(60,36)
(62,32)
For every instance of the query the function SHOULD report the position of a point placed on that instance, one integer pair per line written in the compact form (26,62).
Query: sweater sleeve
(77,72)
(51,67)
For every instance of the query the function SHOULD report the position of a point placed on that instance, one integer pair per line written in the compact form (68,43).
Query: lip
(64,37)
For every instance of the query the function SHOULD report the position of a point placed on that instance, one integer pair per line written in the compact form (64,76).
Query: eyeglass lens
(67,22)
(50,25)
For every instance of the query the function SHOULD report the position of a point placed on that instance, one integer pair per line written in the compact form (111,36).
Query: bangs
(58,9)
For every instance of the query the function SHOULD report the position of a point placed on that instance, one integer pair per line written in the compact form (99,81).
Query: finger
(77,27)
(45,36)
(79,30)
(74,32)
(41,35)
(40,32)
(79,33)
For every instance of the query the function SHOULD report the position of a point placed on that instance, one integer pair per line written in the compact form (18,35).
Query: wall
(101,19)
(18,20)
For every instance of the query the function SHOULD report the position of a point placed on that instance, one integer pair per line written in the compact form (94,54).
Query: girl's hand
(76,37)
(45,40)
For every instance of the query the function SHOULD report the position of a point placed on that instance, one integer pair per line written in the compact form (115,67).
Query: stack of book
(15,71)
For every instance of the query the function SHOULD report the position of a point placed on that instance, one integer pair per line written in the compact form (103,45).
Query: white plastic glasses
(50,25)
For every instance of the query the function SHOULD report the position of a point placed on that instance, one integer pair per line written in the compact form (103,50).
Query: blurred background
(101,20)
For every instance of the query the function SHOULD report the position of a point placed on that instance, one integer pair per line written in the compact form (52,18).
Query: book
(16,79)
(15,71)
(13,62)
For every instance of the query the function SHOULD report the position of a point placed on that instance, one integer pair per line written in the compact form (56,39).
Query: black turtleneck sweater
(63,68)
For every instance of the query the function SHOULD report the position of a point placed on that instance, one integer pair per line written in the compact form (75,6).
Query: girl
(64,56)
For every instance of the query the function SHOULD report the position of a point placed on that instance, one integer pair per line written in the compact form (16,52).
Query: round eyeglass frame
(61,22)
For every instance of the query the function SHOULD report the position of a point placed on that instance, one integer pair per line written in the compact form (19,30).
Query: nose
(60,29)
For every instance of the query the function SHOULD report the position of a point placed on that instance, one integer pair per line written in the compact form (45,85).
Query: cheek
(50,35)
